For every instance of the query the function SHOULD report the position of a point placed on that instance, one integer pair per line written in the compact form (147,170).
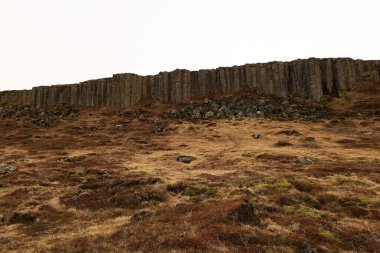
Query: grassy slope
(86,206)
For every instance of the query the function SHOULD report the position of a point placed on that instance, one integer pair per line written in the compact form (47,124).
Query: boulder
(244,212)
(185,159)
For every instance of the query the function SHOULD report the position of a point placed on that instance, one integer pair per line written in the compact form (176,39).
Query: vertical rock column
(315,81)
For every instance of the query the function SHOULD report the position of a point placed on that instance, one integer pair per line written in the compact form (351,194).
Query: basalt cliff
(312,78)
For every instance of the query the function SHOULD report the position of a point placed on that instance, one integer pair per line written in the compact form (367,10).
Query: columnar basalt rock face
(311,78)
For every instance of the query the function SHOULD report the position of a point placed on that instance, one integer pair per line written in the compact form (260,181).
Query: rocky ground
(233,174)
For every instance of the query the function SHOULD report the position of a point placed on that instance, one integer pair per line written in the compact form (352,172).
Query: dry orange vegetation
(104,182)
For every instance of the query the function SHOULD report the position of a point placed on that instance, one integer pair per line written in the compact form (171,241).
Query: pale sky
(45,42)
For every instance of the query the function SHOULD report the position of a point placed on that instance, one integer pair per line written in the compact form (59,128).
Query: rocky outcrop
(311,78)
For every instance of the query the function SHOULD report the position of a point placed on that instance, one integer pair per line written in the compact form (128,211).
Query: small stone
(209,114)
(285,103)
(304,160)
(142,118)
(207,101)
(119,127)
(196,114)
(269,108)
(256,135)
(185,159)
(261,102)
(224,109)
(240,103)
(5,168)
(251,115)
(239,115)
(173,111)
(157,121)
(215,106)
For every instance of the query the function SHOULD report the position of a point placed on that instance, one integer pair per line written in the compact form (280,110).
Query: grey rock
(207,101)
(157,121)
(239,115)
(209,114)
(285,103)
(256,135)
(251,115)
(215,106)
(304,160)
(119,127)
(224,109)
(173,111)
(185,159)
(252,109)
(269,108)
(5,169)
(240,103)
(196,114)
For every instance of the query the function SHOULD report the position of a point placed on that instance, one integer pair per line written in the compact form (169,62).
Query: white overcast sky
(44,42)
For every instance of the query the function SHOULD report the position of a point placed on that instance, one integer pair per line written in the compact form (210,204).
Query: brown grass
(129,194)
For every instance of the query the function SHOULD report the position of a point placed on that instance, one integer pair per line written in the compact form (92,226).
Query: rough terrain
(258,174)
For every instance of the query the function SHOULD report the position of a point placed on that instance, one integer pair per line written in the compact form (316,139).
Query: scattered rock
(304,160)
(119,127)
(244,213)
(5,169)
(41,117)
(256,135)
(185,159)
(249,107)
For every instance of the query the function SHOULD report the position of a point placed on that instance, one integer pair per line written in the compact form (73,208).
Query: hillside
(242,173)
